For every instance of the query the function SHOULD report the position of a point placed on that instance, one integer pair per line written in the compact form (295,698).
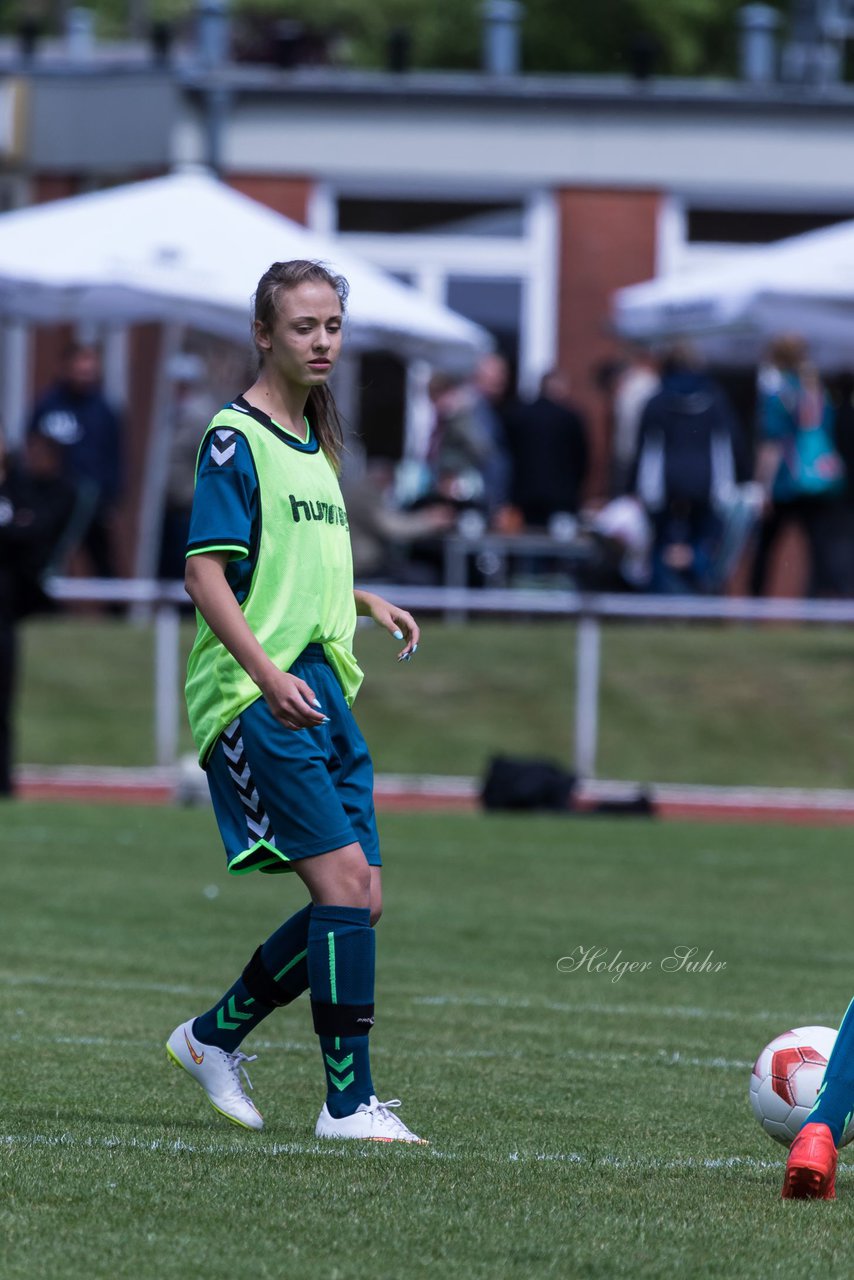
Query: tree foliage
(670,37)
(680,37)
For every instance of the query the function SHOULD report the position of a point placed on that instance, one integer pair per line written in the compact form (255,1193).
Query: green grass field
(728,705)
(580,1127)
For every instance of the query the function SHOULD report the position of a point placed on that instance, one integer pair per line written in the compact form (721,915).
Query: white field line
(692,1012)
(98,984)
(600,1007)
(659,1058)
(173,1147)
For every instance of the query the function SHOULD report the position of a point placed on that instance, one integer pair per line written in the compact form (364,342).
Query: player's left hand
(397,621)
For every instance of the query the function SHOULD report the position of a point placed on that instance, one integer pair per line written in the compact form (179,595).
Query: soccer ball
(786,1079)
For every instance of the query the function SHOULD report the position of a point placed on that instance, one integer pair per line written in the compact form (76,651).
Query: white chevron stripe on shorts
(257,822)
(259,829)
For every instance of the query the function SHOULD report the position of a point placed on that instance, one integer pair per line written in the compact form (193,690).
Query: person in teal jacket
(800,471)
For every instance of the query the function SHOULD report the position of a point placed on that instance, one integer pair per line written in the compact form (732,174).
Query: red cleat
(811,1166)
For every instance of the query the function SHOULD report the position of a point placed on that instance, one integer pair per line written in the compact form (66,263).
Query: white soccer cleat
(218,1073)
(374,1121)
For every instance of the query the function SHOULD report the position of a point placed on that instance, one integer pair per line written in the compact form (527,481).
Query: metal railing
(163,601)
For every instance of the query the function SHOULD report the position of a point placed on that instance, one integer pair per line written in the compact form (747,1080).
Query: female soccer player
(270,680)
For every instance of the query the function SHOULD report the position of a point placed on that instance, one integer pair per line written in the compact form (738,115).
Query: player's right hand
(292,701)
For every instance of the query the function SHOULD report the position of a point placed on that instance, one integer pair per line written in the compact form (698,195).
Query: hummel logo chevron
(257,822)
(223,447)
(233,1012)
(342,1064)
(340,1081)
(253,802)
(258,828)
(241,778)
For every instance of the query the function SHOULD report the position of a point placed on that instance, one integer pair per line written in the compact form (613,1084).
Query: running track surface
(413,794)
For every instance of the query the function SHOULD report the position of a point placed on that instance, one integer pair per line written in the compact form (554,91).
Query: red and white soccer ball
(786,1079)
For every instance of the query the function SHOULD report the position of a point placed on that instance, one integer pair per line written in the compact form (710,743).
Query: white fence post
(166,700)
(587,659)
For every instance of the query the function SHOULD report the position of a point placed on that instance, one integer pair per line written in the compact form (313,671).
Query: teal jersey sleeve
(225,502)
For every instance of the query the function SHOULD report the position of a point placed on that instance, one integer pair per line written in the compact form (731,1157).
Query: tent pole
(115,345)
(153,496)
(16,367)
(345,388)
(419,413)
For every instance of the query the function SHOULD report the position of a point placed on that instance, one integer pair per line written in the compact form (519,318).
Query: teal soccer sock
(836,1096)
(341,951)
(276,975)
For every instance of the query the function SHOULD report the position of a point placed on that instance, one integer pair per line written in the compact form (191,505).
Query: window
(755,226)
(430,217)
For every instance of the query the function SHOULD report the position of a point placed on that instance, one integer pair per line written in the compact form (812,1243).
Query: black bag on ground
(512,783)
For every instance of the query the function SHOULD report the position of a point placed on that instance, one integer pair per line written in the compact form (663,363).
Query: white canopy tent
(804,284)
(187,251)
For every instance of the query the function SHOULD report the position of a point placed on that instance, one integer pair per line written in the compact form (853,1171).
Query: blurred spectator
(76,416)
(491,383)
(547,442)
(460,445)
(193,406)
(635,382)
(844,436)
(798,466)
(624,532)
(685,472)
(36,505)
(383,537)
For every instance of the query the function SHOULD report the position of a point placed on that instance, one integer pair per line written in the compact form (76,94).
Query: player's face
(305,339)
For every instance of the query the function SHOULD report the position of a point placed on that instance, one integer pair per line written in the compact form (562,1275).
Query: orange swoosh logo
(197,1058)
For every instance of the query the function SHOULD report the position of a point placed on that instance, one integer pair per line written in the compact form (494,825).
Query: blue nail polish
(398,635)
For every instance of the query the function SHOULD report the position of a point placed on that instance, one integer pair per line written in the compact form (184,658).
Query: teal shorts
(283,794)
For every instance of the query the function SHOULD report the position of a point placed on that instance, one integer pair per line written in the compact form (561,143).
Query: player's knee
(376,911)
(353,883)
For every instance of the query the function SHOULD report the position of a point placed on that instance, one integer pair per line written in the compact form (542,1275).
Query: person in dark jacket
(547,440)
(689,454)
(76,416)
(36,507)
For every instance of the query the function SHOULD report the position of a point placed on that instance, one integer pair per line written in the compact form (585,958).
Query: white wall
(785,157)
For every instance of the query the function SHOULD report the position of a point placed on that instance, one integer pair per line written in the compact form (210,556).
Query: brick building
(521,201)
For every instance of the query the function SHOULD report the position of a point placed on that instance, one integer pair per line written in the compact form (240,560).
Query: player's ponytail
(320,408)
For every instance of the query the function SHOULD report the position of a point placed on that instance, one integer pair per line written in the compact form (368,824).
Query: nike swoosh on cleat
(197,1058)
